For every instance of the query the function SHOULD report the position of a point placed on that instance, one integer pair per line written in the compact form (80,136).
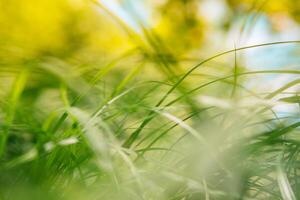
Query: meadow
(149,100)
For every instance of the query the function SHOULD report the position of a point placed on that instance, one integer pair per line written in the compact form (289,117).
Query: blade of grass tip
(291,99)
(172,127)
(277,133)
(132,74)
(235,72)
(107,104)
(16,92)
(184,135)
(183,125)
(151,114)
(156,130)
(279,91)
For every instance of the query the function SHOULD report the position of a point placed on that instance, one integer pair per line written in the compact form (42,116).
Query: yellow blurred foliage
(286,7)
(180,24)
(32,28)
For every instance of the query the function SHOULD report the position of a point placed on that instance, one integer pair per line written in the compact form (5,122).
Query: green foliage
(85,117)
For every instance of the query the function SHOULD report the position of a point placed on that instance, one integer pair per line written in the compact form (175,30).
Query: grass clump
(145,123)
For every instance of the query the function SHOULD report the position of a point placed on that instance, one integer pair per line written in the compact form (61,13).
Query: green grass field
(92,109)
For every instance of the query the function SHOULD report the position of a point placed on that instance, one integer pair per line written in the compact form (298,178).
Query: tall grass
(160,128)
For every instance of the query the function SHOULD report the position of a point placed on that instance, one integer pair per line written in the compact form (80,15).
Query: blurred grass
(92,109)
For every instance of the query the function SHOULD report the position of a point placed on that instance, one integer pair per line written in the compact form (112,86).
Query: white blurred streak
(284,185)
(95,137)
(49,146)
(28,156)
(183,125)
(243,103)
(68,141)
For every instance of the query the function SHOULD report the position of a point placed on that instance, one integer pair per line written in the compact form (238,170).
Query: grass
(157,129)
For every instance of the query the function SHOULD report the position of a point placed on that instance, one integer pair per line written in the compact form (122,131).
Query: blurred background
(85,34)
(79,37)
